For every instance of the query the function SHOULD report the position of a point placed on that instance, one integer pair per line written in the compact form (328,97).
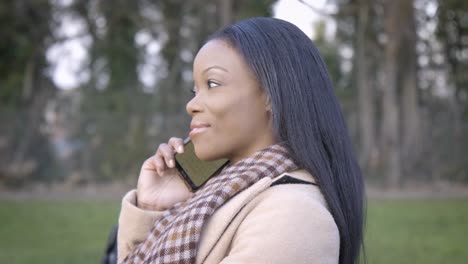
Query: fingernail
(180,149)
(171,164)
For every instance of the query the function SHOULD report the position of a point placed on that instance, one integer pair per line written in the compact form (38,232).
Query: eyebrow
(215,67)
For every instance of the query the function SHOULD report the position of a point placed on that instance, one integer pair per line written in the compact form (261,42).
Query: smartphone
(194,171)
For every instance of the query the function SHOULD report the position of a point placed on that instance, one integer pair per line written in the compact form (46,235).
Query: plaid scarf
(175,236)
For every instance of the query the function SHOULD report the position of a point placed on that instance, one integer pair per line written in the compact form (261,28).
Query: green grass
(76,231)
(417,232)
(55,232)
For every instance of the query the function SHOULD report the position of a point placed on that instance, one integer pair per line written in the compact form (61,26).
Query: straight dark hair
(306,116)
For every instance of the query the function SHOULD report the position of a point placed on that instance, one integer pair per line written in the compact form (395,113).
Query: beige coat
(286,223)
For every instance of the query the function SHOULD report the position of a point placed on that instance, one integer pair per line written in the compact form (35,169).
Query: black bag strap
(110,255)
(287,179)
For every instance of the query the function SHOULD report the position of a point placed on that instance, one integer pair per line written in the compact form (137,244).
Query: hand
(160,185)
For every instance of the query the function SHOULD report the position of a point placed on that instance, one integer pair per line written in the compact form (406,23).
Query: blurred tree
(114,107)
(359,27)
(329,51)
(24,88)
(121,122)
(387,79)
(452,32)
(366,104)
(391,142)
(114,120)
(411,134)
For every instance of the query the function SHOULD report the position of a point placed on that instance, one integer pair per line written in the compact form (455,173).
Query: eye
(212,84)
(193,91)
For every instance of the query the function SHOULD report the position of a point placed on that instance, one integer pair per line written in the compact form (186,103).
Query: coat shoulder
(283,223)
(304,198)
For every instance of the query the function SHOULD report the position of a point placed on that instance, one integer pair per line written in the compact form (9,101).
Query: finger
(153,164)
(177,144)
(158,161)
(167,153)
(149,164)
(159,164)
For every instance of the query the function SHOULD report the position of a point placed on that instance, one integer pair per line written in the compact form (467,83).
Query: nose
(194,105)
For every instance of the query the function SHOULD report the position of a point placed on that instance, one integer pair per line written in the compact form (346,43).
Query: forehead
(219,53)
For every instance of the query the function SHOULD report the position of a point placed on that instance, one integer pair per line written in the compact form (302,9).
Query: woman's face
(230,112)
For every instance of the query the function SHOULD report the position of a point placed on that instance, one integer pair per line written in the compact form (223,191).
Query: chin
(206,154)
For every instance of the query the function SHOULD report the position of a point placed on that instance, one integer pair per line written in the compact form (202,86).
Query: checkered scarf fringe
(175,236)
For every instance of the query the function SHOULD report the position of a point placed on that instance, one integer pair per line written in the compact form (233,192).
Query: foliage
(398,79)
(452,31)
(24,30)
(104,128)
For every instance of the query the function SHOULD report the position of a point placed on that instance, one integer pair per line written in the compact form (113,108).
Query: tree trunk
(33,117)
(390,125)
(365,91)
(172,87)
(225,12)
(410,116)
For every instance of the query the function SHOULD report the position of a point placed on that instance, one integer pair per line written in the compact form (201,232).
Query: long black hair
(306,116)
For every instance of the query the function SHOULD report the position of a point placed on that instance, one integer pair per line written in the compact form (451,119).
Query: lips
(197,127)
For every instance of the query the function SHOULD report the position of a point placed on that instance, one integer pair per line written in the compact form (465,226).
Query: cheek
(239,117)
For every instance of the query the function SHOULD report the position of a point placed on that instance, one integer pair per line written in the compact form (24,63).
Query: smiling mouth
(197,130)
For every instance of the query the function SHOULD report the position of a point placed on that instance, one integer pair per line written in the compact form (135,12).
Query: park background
(89,88)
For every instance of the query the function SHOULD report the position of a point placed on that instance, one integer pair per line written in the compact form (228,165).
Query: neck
(251,151)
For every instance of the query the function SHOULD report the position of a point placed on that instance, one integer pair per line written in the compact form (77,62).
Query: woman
(263,100)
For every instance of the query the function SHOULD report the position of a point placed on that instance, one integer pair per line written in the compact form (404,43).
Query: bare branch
(317,10)
(345,10)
